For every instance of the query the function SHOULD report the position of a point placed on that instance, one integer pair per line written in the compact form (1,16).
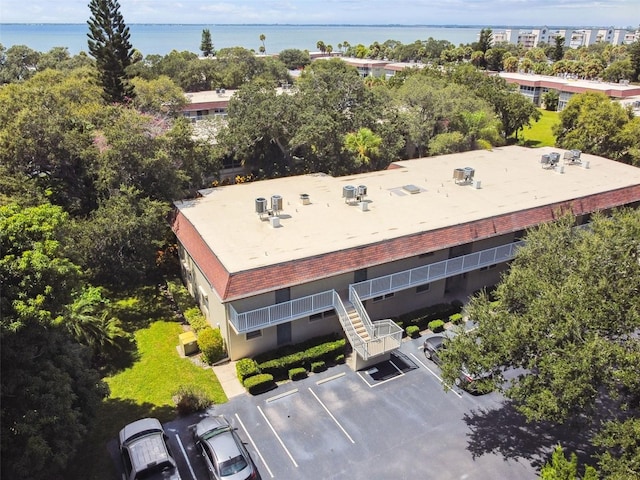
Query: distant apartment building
(535,86)
(574,38)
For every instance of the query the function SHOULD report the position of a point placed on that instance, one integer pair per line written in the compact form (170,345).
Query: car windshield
(233,465)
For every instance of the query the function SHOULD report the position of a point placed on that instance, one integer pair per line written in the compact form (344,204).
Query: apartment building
(279,261)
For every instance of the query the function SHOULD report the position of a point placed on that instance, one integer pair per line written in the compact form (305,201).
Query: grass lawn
(540,134)
(143,389)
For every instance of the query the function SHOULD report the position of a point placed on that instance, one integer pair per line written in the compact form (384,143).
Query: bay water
(161,39)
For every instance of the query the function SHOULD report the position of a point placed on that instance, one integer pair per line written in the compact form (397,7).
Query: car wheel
(458,382)
(427,353)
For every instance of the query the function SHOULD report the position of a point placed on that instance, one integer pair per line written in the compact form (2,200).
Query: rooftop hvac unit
(276,203)
(261,205)
(468,174)
(348,192)
(362,190)
(458,174)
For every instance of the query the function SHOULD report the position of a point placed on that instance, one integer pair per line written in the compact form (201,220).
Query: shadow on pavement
(506,431)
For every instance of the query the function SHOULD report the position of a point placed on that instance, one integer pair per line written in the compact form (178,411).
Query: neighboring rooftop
(511,180)
(614,90)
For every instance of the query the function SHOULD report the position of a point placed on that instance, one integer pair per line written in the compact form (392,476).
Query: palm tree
(321,46)
(88,322)
(263,48)
(364,144)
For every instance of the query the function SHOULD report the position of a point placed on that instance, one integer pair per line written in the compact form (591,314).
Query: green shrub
(340,359)
(279,366)
(190,399)
(245,368)
(211,345)
(297,373)
(196,319)
(180,295)
(318,367)
(412,331)
(259,383)
(436,326)
(456,318)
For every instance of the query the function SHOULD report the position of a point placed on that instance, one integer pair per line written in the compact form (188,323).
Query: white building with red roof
(279,261)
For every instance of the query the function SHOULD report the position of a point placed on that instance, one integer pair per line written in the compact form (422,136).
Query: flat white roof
(588,84)
(511,179)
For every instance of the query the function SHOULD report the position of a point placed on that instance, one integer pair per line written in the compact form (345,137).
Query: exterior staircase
(357,323)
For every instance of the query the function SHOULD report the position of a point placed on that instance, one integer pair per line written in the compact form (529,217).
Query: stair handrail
(364,316)
(358,343)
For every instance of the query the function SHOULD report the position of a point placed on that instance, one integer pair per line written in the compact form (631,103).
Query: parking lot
(393,421)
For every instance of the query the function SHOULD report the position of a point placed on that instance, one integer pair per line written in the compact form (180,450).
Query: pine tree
(206,46)
(109,45)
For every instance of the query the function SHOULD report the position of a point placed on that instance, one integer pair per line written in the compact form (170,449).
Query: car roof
(216,431)
(144,439)
(434,341)
(211,423)
(138,427)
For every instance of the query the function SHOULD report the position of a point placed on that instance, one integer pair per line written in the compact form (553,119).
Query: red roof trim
(273,277)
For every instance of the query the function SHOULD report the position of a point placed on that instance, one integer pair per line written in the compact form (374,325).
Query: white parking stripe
(184,453)
(435,375)
(331,415)
(277,436)
(254,445)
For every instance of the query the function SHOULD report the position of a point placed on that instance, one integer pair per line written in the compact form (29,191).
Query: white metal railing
(434,271)
(362,312)
(281,312)
(357,342)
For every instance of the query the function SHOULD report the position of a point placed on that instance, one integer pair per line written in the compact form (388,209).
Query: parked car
(225,455)
(433,346)
(145,451)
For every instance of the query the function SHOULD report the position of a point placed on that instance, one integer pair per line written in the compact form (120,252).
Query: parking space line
(282,395)
(184,454)
(377,384)
(435,375)
(254,445)
(325,380)
(331,415)
(277,436)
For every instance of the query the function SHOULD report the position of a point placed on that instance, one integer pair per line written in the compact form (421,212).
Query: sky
(617,13)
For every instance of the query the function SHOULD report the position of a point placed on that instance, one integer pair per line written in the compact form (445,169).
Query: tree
(20,63)
(294,59)
(633,51)
(618,70)
(109,45)
(565,318)
(562,469)
(558,49)
(49,392)
(621,443)
(551,100)
(160,96)
(364,144)
(321,46)
(263,48)
(206,45)
(591,122)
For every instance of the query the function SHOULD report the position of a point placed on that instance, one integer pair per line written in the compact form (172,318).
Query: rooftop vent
(572,157)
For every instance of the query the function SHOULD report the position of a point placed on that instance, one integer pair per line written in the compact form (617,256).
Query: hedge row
(279,367)
(422,317)
(245,368)
(180,295)
(196,319)
(259,383)
(436,326)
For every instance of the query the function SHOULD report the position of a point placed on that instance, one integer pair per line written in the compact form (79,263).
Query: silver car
(225,455)
(145,451)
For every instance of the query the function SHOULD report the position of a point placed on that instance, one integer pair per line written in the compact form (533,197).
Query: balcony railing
(281,312)
(324,301)
(434,271)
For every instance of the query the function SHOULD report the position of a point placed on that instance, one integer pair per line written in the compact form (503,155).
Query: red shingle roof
(252,282)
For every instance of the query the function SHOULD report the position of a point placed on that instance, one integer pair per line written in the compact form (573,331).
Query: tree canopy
(561,335)
(109,45)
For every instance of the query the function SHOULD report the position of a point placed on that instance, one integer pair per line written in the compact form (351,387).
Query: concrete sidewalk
(228,378)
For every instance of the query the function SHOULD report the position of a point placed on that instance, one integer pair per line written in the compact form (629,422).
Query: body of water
(162,39)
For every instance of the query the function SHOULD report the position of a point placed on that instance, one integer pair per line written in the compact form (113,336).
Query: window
(254,334)
(423,288)
(383,297)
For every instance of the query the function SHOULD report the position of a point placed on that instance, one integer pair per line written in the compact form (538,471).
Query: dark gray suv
(145,452)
